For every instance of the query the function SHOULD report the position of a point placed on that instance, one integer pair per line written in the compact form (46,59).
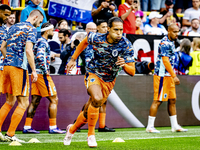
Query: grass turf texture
(135,139)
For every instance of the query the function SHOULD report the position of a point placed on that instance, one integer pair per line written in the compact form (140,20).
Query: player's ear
(108,29)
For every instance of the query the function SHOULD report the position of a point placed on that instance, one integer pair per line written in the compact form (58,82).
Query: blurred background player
(111,51)
(5,12)
(18,52)
(164,81)
(44,86)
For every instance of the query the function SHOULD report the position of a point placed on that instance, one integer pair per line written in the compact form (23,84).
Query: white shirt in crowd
(190,32)
(159,30)
(190,12)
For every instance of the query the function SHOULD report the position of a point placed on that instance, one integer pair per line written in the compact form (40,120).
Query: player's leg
(30,114)
(152,116)
(158,98)
(80,121)
(102,120)
(17,115)
(93,112)
(175,127)
(52,111)
(19,87)
(5,109)
(78,130)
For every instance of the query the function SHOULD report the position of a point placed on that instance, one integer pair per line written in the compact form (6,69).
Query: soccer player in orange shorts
(17,50)
(5,12)
(102,27)
(111,51)
(164,81)
(44,86)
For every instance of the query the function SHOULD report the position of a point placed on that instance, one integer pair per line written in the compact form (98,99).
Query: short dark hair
(35,11)
(114,19)
(4,7)
(47,24)
(65,32)
(100,21)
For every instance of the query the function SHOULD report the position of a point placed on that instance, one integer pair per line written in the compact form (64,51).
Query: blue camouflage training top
(165,48)
(42,56)
(104,55)
(17,37)
(3,33)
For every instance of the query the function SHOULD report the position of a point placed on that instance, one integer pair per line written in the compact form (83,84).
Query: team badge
(114,53)
(92,80)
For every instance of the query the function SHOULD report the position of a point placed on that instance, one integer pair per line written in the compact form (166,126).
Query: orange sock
(28,121)
(15,120)
(80,121)
(5,109)
(52,121)
(102,120)
(93,114)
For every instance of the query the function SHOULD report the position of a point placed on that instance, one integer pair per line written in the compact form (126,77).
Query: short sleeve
(94,6)
(32,35)
(129,53)
(121,10)
(164,49)
(147,29)
(91,37)
(186,14)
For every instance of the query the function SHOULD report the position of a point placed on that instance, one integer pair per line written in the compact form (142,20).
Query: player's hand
(120,61)
(35,76)
(176,80)
(70,65)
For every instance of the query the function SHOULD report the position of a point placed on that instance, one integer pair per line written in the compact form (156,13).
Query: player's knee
(23,104)
(11,103)
(97,101)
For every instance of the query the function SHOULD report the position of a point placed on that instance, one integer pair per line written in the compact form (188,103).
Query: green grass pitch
(135,139)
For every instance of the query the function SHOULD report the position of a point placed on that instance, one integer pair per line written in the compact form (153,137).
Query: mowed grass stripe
(126,135)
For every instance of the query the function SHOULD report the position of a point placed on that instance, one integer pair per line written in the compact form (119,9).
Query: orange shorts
(164,88)
(106,87)
(1,80)
(15,81)
(44,86)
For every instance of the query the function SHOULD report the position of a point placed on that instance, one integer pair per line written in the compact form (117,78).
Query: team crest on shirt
(114,53)
(92,80)
(165,95)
